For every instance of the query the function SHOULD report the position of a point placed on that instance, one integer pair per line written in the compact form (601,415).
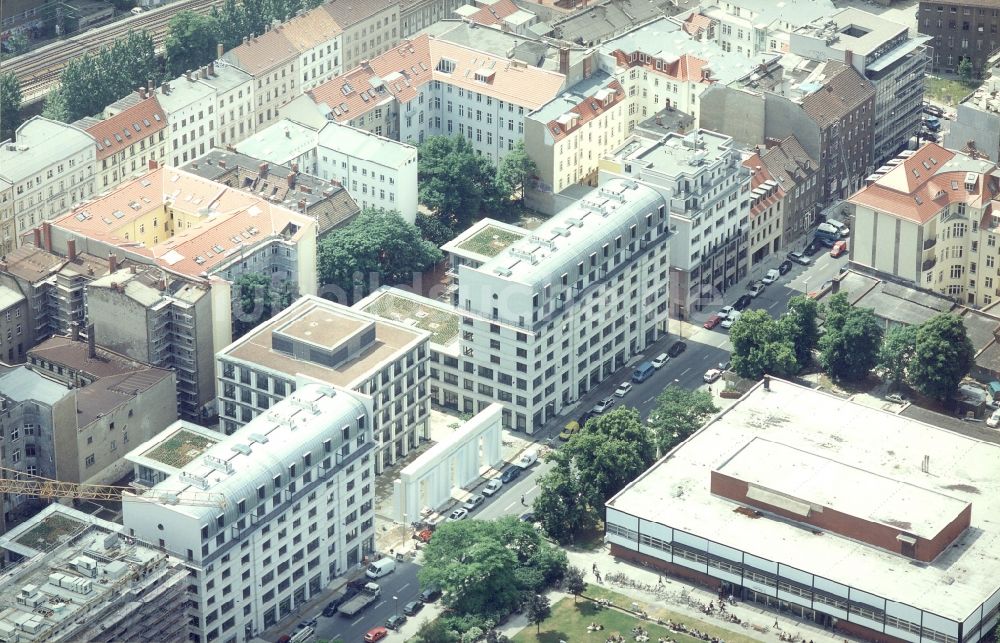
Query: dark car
(355,586)
(510,473)
(784,267)
(743,302)
(331,607)
(676,349)
(811,249)
(582,421)
(411,608)
(933,110)
(395,621)
(430,595)
(528,517)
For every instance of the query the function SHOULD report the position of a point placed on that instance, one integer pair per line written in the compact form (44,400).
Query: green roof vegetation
(442,324)
(52,530)
(180,448)
(490,241)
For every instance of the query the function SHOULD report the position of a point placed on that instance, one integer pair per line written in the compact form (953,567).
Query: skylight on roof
(156,117)
(136,127)
(118,137)
(146,122)
(107,143)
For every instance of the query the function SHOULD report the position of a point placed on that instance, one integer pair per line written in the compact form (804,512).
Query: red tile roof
(135,123)
(686,67)
(923,184)
(696,23)
(758,177)
(588,109)
(494,14)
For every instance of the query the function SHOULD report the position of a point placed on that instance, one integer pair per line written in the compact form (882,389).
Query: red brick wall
(879,535)
(660,565)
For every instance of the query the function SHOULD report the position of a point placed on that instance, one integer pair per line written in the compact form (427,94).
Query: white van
(380,568)
(527,459)
(840,227)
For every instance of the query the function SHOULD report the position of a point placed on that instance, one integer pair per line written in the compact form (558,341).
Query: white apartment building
(750,27)
(708,189)
(887,55)
(377,172)
(234,97)
(568,136)
(297,483)
(47,168)
(190,109)
(316,36)
(71,577)
(555,313)
(337,346)
(932,218)
(426,86)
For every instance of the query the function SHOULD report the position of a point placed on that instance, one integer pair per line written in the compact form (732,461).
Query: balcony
(930,243)
(928,264)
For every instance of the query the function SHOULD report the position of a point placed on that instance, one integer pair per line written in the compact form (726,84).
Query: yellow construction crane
(12,481)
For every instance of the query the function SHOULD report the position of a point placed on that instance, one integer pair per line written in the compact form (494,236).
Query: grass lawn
(569,622)
(946,90)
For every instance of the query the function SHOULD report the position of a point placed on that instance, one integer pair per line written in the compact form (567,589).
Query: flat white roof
(676,492)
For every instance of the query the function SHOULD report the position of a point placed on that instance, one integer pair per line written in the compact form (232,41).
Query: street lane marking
(649,400)
(685,371)
(773,305)
(507,508)
(357,621)
(530,490)
(403,587)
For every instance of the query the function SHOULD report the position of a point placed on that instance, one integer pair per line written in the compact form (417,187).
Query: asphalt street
(402,584)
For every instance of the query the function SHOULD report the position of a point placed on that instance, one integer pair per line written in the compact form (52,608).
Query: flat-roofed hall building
(874,523)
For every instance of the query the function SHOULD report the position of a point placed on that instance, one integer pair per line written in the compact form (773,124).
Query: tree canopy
(761,345)
(849,347)
(538,608)
(895,354)
(486,567)
(563,504)
(942,356)
(679,413)
(454,181)
(377,247)
(801,327)
(10,105)
(610,451)
(191,42)
(260,299)
(515,171)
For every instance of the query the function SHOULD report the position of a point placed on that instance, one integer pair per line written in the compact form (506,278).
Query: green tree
(562,505)
(849,348)
(231,21)
(575,584)
(515,171)
(679,413)
(965,70)
(260,298)
(761,346)
(377,247)
(453,180)
(434,229)
(538,609)
(191,41)
(436,631)
(801,327)
(895,353)
(10,105)
(611,451)
(942,356)
(484,567)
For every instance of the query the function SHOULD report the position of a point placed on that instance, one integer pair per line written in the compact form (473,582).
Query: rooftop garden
(490,241)
(442,324)
(180,448)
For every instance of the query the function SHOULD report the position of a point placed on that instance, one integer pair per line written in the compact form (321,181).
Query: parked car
(474,502)
(623,389)
(528,458)
(713,321)
(711,375)
(492,486)
(582,420)
(643,372)
(741,304)
(603,405)
(838,248)
(840,226)
(823,241)
(136,11)
(395,621)
(376,634)
(430,595)
(729,321)
(726,311)
(799,258)
(458,514)
(412,608)
(770,277)
(677,348)
(932,123)
(660,360)
(994,420)
(785,267)
(527,517)
(509,474)
(756,290)
(933,110)
(811,249)
(572,428)
(724,366)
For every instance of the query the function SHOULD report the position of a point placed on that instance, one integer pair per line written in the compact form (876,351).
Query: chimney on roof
(74,331)
(302,205)
(142,93)
(222,163)
(848,57)
(564,61)
(335,183)
(150,87)
(219,50)
(71,249)
(291,180)
(587,67)
(91,342)
(162,283)
(153,164)
(165,88)
(767,382)
(47,233)
(262,170)
(188,73)
(245,39)
(295,167)
(112,263)
(305,189)
(37,237)
(132,269)
(211,69)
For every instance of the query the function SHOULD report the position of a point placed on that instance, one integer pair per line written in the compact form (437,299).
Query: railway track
(39,69)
